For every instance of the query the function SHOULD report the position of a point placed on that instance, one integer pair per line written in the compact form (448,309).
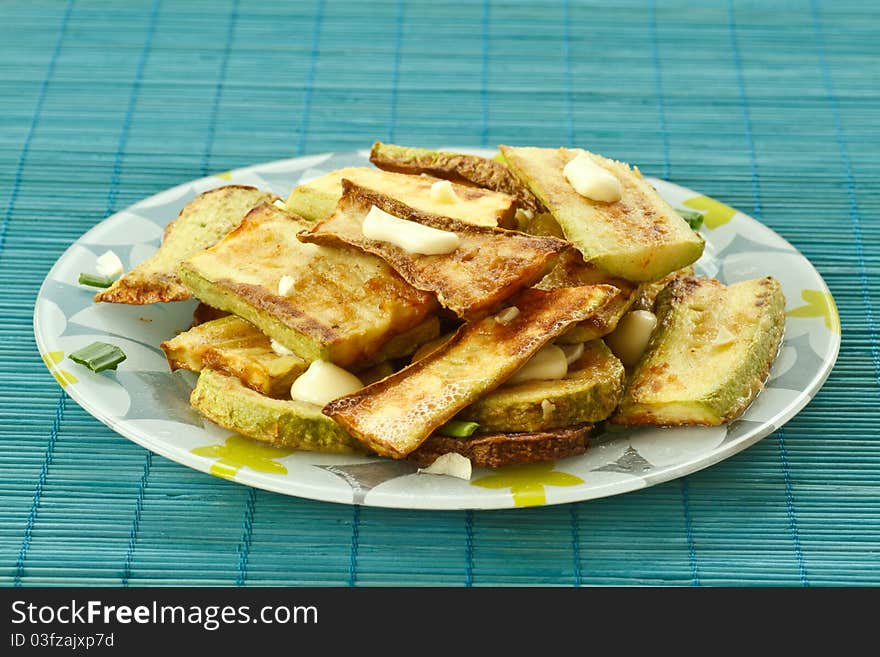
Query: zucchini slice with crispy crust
(456,167)
(201,223)
(490,264)
(500,449)
(640,237)
(341,306)
(316,199)
(395,415)
(710,354)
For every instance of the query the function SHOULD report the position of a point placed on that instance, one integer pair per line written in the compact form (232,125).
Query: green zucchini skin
(639,238)
(710,354)
(282,423)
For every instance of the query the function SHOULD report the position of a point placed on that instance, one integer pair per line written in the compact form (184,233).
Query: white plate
(145,402)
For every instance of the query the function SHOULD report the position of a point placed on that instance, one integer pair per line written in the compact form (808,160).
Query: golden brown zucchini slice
(500,449)
(316,200)
(397,414)
(639,238)
(282,423)
(342,306)
(489,265)
(236,347)
(457,167)
(204,220)
(710,354)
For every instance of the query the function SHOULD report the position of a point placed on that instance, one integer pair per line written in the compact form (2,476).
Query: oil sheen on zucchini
(710,354)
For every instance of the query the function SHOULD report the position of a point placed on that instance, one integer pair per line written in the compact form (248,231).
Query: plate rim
(306,490)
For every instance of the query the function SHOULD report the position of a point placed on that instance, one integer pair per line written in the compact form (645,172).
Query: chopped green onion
(93,280)
(458,429)
(99,356)
(693,217)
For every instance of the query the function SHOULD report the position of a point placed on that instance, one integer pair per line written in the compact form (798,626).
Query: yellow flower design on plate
(526,482)
(63,377)
(715,213)
(819,304)
(225,175)
(239,452)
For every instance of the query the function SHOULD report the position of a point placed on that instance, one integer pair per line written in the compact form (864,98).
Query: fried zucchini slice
(589,393)
(489,265)
(500,449)
(647,296)
(201,223)
(397,414)
(186,350)
(571,271)
(316,200)
(282,423)
(456,167)
(709,356)
(639,238)
(238,348)
(343,305)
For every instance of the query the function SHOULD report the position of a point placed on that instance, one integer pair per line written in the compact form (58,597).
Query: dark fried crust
(205,313)
(500,449)
(491,264)
(460,168)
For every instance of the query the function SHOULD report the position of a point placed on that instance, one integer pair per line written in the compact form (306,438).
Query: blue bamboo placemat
(770,107)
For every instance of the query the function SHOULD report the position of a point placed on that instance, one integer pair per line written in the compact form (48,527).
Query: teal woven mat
(772,110)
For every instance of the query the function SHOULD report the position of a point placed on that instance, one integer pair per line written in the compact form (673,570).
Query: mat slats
(771,109)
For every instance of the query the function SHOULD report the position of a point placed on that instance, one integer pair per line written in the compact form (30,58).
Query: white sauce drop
(507,315)
(629,340)
(442,191)
(591,180)
(408,235)
(108,264)
(285,284)
(323,382)
(549,363)
(451,464)
(547,409)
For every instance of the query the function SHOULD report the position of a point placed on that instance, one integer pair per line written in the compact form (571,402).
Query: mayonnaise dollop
(410,236)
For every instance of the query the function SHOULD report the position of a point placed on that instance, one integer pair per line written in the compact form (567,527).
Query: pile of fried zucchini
(439,340)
